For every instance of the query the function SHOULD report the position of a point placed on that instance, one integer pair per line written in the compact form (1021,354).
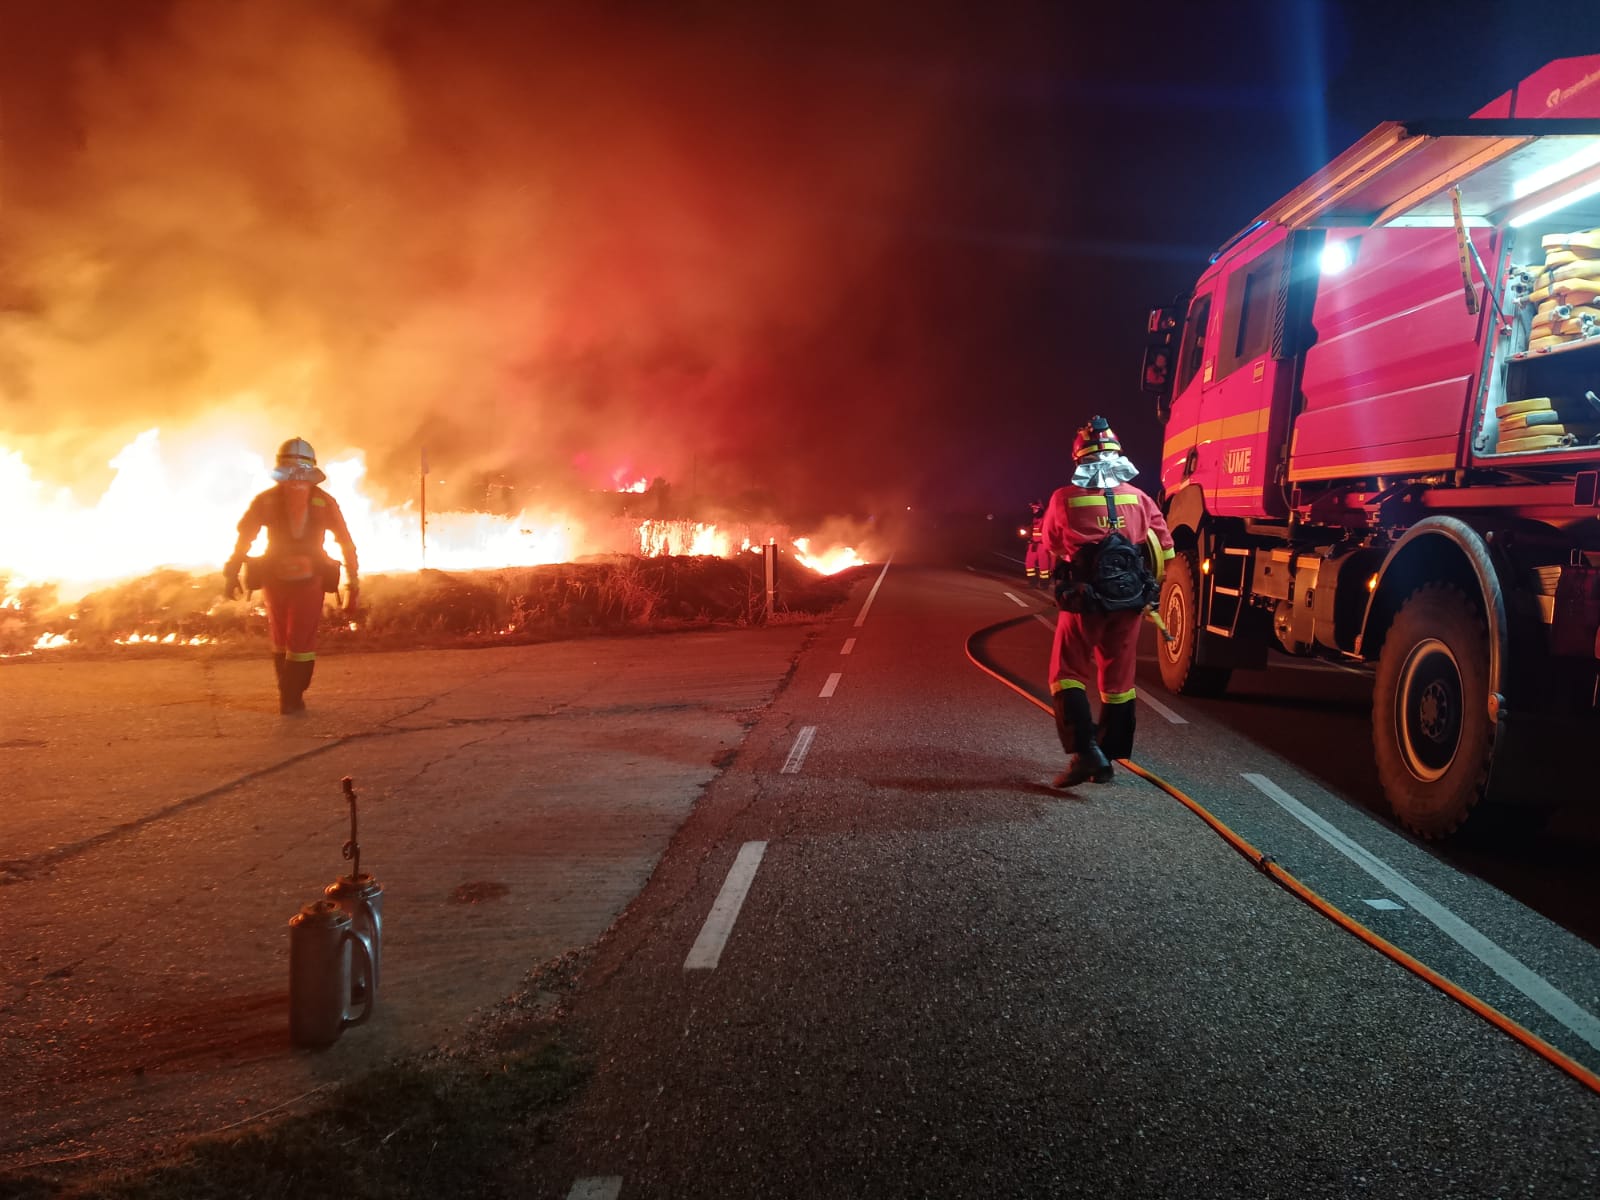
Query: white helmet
(297,461)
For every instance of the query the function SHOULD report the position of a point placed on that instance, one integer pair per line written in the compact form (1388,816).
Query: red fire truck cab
(1382,443)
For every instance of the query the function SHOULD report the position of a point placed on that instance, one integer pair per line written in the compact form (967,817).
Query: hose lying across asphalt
(1267,866)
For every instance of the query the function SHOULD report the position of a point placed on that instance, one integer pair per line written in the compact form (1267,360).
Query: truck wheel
(1180,609)
(1431,730)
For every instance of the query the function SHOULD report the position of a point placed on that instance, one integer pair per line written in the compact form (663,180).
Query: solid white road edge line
(1527,981)
(849,645)
(797,755)
(833,682)
(1016,599)
(601,1187)
(1162,709)
(707,948)
(861,617)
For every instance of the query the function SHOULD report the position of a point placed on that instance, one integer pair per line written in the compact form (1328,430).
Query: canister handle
(366,957)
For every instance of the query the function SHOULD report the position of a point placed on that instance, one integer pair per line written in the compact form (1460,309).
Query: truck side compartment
(1382,444)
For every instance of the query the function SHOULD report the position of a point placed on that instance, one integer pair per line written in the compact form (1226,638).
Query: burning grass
(174,610)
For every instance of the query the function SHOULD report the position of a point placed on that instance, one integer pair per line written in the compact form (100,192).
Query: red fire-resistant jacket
(306,551)
(1077,517)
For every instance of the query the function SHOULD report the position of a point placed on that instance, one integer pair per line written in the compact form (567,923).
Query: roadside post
(771,563)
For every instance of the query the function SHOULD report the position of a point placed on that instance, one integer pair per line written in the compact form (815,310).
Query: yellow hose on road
(1269,867)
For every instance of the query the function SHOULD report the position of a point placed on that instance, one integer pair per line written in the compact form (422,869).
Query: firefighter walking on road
(1097,630)
(296,571)
(1037,560)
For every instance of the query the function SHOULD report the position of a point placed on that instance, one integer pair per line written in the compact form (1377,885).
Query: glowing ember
(826,562)
(171,639)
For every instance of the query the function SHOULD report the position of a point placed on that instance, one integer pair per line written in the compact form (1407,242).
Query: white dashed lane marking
(1016,599)
(601,1187)
(861,617)
(707,949)
(833,682)
(797,755)
(849,645)
(1161,708)
(1520,976)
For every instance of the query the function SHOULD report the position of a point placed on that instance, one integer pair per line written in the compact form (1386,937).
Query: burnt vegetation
(173,611)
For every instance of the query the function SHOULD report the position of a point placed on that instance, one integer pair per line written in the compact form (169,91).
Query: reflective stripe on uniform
(302,656)
(1118,697)
(1167,552)
(1088,501)
(1063,685)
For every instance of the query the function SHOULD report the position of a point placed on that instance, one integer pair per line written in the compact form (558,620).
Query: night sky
(844,255)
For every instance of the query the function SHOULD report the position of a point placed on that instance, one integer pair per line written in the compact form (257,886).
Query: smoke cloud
(562,242)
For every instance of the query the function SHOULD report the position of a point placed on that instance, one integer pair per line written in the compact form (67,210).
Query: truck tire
(1180,609)
(1431,729)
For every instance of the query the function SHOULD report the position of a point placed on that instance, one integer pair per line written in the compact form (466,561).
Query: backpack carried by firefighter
(1112,575)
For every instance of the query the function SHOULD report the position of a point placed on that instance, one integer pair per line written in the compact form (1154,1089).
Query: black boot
(280,669)
(1066,711)
(291,693)
(1075,727)
(1116,729)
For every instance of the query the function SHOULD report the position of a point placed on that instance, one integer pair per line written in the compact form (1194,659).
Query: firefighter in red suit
(1096,649)
(1037,562)
(296,570)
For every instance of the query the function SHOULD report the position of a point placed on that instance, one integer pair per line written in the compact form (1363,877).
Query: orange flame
(179,510)
(826,562)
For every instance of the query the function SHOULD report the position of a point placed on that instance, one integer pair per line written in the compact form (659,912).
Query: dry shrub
(439,608)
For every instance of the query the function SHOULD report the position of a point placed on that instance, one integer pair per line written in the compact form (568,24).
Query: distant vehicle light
(1335,258)
(1205,566)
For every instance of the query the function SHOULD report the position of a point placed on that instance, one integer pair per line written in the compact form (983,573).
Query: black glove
(352,599)
(231,588)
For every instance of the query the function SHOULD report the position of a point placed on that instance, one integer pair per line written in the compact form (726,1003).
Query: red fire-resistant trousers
(1096,648)
(1037,561)
(293,613)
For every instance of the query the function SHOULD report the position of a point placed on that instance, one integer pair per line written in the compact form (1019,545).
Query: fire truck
(1381,424)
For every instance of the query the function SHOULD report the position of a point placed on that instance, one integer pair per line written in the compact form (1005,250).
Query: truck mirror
(1163,322)
(1157,369)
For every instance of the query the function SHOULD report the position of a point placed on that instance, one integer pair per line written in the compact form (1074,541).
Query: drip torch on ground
(334,951)
(360,895)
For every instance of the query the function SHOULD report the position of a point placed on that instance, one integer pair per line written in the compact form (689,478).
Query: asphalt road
(842,938)
(884,959)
